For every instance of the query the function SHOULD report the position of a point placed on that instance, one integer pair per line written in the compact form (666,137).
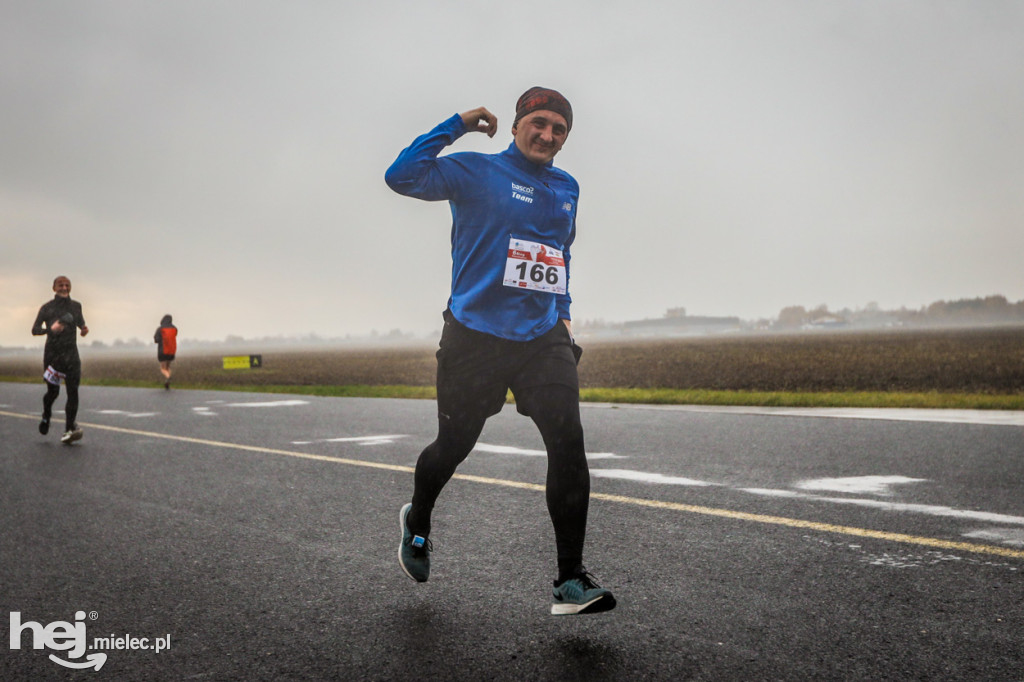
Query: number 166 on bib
(534,266)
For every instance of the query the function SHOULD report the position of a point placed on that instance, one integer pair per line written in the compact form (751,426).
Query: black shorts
(476,370)
(71,371)
(64,361)
(164,358)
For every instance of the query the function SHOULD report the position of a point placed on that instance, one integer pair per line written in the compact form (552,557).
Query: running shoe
(71,436)
(414,550)
(44,426)
(167,385)
(580,594)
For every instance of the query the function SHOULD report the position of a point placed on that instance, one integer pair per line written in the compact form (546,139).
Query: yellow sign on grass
(242,361)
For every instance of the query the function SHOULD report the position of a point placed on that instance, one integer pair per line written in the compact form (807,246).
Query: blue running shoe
(581,594)
(414,551)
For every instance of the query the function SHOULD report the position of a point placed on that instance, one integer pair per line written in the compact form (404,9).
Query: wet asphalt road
(256,535)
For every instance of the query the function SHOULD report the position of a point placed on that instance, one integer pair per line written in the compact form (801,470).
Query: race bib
(52,376)
(534,266)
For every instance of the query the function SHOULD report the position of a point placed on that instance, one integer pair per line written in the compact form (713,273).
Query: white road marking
(510,450)
(1007,536)
(271,403)
(127,414)
(629,475)
(987,417)
(880,487)
(771,492)
(860,485)
(361,440)
(927,509)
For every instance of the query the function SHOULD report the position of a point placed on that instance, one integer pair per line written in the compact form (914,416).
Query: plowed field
(965,361)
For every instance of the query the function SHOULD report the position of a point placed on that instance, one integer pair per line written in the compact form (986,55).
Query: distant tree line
(985,310)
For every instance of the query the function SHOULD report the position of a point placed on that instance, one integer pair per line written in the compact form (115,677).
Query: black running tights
(70,408)
(555,411)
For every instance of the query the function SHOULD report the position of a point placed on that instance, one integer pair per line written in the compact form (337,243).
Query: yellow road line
(621,499)
(816,525)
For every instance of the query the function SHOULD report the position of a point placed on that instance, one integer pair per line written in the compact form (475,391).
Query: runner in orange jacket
(166,337)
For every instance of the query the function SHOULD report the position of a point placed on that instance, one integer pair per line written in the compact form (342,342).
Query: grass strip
(643,396)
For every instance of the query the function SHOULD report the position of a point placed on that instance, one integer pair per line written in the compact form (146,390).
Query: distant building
(827,322)
(677,323)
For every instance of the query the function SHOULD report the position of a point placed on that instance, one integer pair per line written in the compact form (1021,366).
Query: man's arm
(37,327)
(417,172)
(80,320)
(564,301)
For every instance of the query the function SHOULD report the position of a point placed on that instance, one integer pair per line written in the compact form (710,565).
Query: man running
(507,325)
(59,320)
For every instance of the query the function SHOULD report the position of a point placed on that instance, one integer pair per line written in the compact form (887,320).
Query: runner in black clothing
(58,320)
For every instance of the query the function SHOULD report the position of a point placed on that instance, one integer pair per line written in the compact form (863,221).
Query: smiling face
(62,287)
(540,135)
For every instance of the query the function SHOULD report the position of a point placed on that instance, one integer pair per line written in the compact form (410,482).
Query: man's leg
(456,436)
(52,392)
(71,382)
(469,390)
(547,390)
(437,463)
(555,410)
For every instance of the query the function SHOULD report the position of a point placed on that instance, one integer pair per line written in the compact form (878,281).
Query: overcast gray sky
(223,161)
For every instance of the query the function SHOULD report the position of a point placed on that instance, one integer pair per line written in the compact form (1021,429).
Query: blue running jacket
(494,199)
